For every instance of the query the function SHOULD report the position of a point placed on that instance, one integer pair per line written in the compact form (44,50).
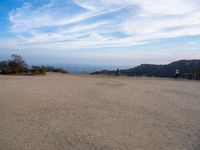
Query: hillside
(186,68)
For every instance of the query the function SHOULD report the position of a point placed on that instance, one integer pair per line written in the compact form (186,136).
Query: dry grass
(72,112)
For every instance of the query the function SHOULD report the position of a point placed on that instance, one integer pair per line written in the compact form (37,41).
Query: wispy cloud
(102,23)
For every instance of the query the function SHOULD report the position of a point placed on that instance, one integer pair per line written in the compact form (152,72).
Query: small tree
(4,67)
(17,64)
(14,66)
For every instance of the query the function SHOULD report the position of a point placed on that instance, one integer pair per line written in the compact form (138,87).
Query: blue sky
(123,32)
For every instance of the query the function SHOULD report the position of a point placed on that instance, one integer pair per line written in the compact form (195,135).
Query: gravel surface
(82,112)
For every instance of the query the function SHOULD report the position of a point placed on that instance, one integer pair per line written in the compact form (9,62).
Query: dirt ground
(82,112)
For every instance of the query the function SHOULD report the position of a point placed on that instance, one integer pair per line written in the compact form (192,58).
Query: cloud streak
(101,23)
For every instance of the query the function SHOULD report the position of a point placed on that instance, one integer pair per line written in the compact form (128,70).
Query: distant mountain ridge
(186,67)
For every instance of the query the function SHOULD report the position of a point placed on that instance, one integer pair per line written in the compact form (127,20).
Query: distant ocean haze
(83,68)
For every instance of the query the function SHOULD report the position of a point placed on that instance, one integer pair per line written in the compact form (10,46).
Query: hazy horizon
(100,32)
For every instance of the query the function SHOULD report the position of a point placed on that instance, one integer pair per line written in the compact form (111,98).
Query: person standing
(177,73)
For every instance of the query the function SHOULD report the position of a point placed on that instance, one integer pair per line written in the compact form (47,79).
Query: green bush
(38,70)
(45,69)
(53,69)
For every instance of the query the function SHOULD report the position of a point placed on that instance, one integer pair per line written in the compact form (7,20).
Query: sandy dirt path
(71,112)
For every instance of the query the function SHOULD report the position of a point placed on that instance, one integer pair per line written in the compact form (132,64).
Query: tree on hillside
(17,64)
(14,66)
(4,67)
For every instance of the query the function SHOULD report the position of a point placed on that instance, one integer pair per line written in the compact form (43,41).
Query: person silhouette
(177,73)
